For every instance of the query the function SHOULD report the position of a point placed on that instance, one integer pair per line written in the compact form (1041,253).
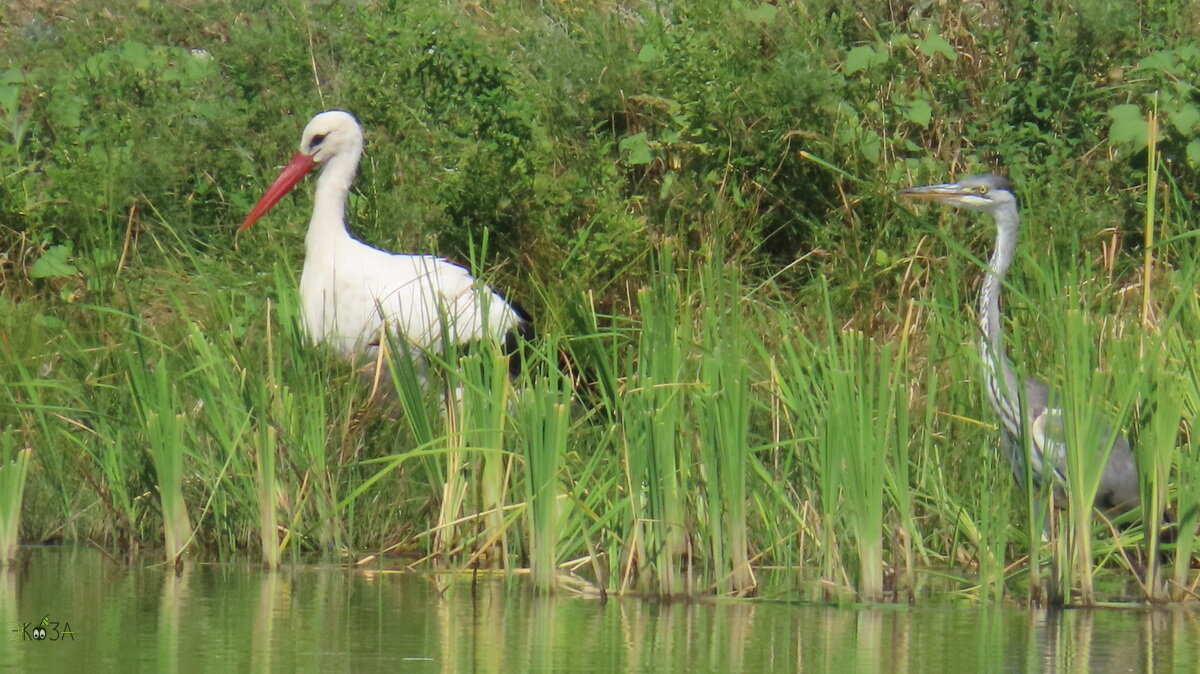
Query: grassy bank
(696,205)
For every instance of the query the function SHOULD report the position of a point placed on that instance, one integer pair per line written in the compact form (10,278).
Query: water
(237,618)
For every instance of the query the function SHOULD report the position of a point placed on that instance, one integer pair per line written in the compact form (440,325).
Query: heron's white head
(333,133)
(988,193)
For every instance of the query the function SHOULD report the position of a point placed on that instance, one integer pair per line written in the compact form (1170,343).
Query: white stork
(349,290)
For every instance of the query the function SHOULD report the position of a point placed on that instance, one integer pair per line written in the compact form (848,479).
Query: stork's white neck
(328,224)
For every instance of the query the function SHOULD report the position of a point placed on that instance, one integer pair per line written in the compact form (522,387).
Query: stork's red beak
(296,169)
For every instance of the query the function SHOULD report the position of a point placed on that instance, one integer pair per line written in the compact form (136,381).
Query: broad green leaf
(1184,118)
(919,112)
(636,149)
(1128,127)
(137,55)
(1164,61)
(648,53)
(862,58)
(51,322)
(53,263)
(936,44)
(1188,53)
(1193,153)
(870,146)
(10,96)
(65,108)
(764,13)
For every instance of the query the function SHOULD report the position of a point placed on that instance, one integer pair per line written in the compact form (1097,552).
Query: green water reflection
(237,618)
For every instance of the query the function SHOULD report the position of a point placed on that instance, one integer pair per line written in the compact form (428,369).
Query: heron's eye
(316,140)
(981,190)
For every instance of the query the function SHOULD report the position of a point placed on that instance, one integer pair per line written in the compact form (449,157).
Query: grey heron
(1042,422)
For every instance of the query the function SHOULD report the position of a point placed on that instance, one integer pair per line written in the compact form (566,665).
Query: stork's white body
(348,290)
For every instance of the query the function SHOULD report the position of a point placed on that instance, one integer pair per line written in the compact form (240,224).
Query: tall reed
(31,400)
(862,381)
(723,416)
(544,422)
(1156,452)
(903,476)
(264,442)
(849,389)
(800,378)
(1186,468)
(14,468)
(421,395)
(484,392)
(264,446)
(652,412)
(155,395)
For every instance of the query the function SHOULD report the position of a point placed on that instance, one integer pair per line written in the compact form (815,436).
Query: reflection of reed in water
(330,618)
(172,627)
(274,595)
(11,653)
(1107,640)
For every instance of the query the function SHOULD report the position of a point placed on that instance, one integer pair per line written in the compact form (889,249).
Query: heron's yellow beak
(935,192)
(947,193)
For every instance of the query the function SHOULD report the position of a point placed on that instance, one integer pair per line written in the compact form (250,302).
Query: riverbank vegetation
(756,370)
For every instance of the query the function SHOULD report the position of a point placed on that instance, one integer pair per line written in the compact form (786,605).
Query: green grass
(772,363)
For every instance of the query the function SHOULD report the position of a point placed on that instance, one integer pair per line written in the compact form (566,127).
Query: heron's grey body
(1118,490)
(1041,424)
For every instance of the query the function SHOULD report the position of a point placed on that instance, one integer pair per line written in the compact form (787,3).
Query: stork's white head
(329,134)
(333,133)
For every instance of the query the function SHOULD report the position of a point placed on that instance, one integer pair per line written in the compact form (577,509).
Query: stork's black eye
(316,140)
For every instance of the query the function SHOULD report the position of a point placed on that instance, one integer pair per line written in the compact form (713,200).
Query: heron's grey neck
(328,222)
(992,342)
